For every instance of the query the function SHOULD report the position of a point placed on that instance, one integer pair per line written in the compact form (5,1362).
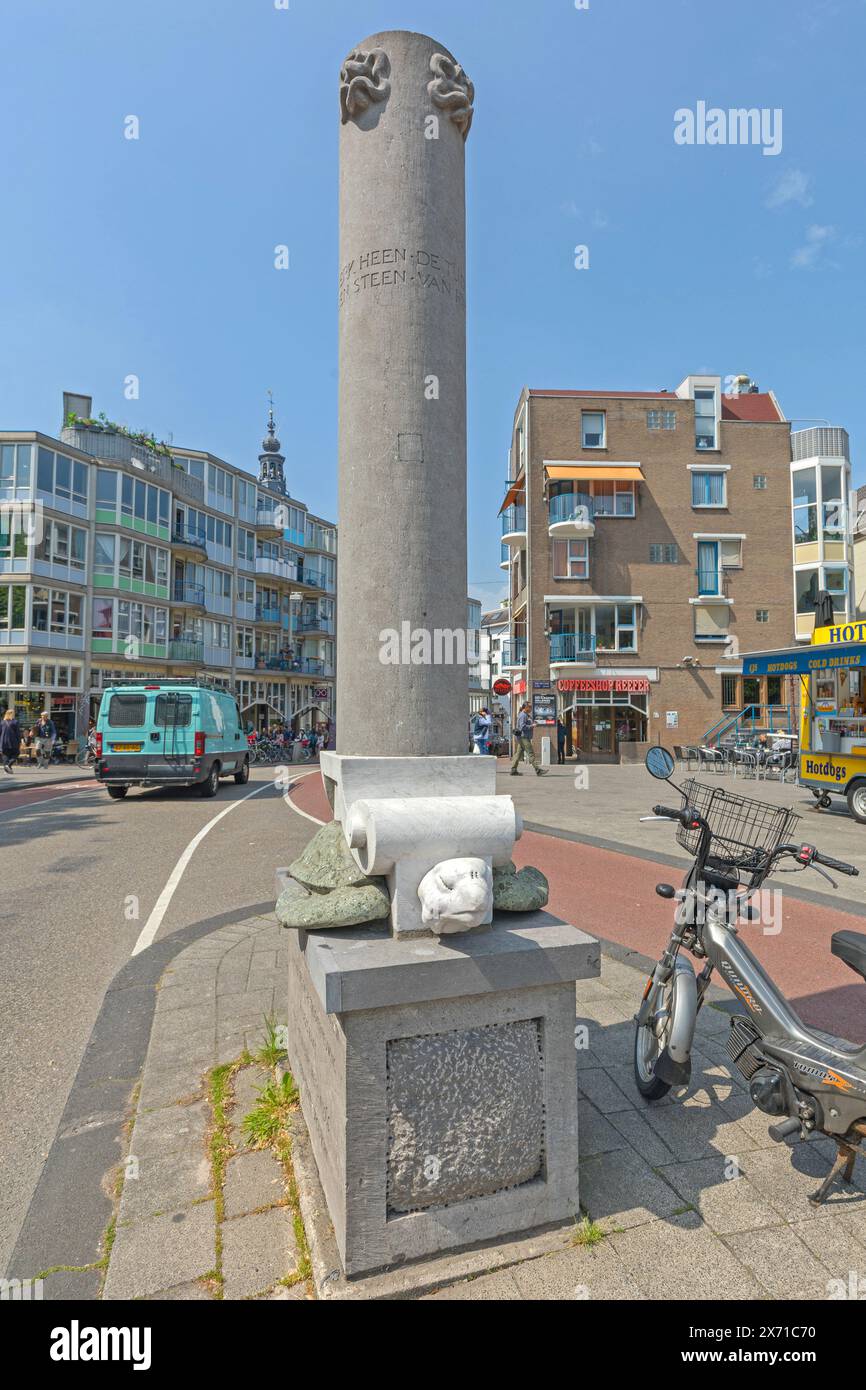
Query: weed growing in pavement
(266,1122)
(587,1233)
(273,1047)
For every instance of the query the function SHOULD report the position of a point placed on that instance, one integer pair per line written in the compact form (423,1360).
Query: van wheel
(210,786)
(856,798)
(117,793)
(244,774)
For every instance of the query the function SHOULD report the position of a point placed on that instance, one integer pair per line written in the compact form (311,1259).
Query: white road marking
(289,802)
(154,921)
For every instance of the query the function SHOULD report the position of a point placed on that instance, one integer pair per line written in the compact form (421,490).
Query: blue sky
(155,256)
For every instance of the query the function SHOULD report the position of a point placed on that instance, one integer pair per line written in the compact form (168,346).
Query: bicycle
(811,1083)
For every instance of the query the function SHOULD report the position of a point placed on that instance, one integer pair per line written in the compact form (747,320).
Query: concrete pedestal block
(438,1082)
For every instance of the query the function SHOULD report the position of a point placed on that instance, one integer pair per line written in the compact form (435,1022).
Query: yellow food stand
(832,681)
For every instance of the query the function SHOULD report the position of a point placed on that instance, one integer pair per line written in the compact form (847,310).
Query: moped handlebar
(686,815)
(807,854)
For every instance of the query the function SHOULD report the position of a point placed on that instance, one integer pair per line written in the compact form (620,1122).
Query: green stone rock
(327,861)
(519,890)
(341,907)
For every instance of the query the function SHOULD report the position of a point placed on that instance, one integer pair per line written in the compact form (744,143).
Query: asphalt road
(81,875)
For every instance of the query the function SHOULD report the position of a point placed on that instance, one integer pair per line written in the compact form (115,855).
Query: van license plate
(126,747)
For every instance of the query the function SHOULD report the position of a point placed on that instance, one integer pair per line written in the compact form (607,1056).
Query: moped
(811,1082)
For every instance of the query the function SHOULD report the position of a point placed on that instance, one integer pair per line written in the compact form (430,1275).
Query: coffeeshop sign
(585,685)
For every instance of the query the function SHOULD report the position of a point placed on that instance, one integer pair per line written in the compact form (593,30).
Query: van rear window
(126,711)
(173,711)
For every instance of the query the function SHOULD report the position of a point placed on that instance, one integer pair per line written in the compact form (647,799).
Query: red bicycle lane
(611,894)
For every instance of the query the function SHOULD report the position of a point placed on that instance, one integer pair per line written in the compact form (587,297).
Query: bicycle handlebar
(807,854)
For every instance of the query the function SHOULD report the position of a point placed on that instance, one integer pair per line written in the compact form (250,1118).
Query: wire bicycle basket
(744,833)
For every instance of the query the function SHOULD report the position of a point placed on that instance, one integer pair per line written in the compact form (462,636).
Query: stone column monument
(406,109)
(431,1010)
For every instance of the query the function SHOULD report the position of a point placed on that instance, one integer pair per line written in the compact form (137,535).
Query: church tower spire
(271,461)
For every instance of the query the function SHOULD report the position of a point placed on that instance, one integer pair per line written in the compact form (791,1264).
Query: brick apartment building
(649,541)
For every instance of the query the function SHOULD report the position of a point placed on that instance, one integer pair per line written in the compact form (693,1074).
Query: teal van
(169,733)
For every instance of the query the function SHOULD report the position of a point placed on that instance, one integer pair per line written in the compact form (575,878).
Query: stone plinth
(438,1082)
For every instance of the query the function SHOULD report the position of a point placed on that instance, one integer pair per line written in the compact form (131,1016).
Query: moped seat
(850,946)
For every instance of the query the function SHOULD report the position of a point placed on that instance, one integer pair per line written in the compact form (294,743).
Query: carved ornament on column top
(452,91)
(363,81)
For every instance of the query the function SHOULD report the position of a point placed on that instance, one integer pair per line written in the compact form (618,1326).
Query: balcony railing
(184,534)
(513,521)
(267,615)
(189,593)
(277,569)
(570,506)
(315,625)
(304,665)
(269,514)
(118,447)
(514,652)
(315,578)
(572,646)
(186,649)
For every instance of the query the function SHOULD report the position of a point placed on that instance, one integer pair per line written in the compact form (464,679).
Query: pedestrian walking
(482,728)
(10,740)
(523,737)
(560,741)
(44,734)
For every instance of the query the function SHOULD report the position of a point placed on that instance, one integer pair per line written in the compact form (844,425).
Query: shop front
(605,716)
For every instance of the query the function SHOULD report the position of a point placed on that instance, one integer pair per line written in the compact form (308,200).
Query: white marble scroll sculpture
(456,895)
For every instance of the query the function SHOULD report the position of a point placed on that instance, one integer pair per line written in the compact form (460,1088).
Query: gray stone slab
(165,1085)
(786,1176)
(681,1259)
(161,1252)
(490,1288)
(632,1125)
(599,1087)
(726,1203)
(597,1134)
(699,1131)
(252,1180)
(581,1274)
(72,1286)
(619,1190)
(165,1182)
(174,1127)
(781,1262)
(353,969)
(195,1292)
(257,1251)
(838,1249)
(247,1083)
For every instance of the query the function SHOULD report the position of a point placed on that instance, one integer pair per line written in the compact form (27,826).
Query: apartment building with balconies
(649,542)
(121,556)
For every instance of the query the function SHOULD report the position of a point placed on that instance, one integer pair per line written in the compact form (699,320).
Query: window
(62,545)
(729,691)
(831,502)
(664,554)
(805,502)
(661,419)
(709,577)
(104,548)
(127,711)
(592,429)
(762,615)
(571,559)
(731,553)
(172,710)
(615,627)
(66,478)
(106,489)
(806,585)
(705,418)
(103,617)
(709,489)
(14,471)
(613,499)
(774,690)
(57,610)
(759,482)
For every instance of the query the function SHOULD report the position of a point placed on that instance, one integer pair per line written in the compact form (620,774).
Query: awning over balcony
(515,492)
(596,472)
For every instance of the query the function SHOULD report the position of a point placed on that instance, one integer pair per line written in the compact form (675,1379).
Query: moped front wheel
(650,1040)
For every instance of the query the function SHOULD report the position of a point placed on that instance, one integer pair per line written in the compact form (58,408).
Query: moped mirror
(659,763)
